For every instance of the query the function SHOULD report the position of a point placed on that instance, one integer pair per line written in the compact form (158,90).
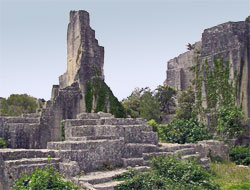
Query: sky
(139,37)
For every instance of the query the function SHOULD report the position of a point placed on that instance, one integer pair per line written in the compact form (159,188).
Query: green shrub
(169,173)
(186,102)
(185,131)
(229,121)
(43,179)
(104,97)
(3,143)
(18,104)
(240,155)
(142,103)
(159,128)
(165,96)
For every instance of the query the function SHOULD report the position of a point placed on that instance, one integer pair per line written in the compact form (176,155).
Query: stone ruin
(231,41)
(99,141)
(93,141)
(85,60)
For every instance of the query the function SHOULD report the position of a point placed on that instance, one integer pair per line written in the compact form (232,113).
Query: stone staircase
(94,142)
(14,162)
(103,180)
(22,132)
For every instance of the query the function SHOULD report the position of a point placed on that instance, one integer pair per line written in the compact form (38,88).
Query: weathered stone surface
(212,148)
(70,168)
(97,146)
(231,41)
(178,72)
(20,132)
(85,58)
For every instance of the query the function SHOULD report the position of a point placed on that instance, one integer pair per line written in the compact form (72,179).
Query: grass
(230,176)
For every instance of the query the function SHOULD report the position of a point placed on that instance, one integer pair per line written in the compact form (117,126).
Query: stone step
(102,176)
(191,156)
(137,136)
(82,122)
(107,186)
(136,149)
(28,161)
(14,126)
(88,116)
(129,132)
(15,154)
(185,151)
(75,138)
(149,156)
(82,145)
(168,147)
(31,115)
(123,121)
(17,171)
(22,120)
(132,162)
(91,138)
(106,121)
(105,176)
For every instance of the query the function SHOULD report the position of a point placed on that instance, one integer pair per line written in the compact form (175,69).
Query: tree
(248,19)
(132,103)
(165,96)
(190,46)
(142,103)
(186,102)
(149,106)
(48,178)
(230,121)
(18,104)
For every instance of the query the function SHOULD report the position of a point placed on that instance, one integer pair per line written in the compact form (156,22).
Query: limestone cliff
(178,72)
(85,58)
(230,40)
(81,88)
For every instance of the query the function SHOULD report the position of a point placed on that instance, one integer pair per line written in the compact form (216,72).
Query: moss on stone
(89,97)
(104,98)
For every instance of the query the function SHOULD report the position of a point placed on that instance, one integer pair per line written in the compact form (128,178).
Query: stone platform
(97,142)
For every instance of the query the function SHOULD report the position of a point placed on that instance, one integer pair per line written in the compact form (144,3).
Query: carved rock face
(85,58)
(229,40)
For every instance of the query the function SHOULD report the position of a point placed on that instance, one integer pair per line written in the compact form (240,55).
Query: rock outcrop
(97,141)
(231,41)
(85,58)
(178,72)
(81,89)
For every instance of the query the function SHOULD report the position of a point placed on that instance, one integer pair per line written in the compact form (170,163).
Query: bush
(184,131)
(18,104)
(142,103)
(229,121)
(3,143)
(97,89)
(240,155)
(169,173)
(159,128)
(186,102)
(165,96)
(44,179)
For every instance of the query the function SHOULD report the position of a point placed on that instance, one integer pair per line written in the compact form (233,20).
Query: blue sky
(139,37)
